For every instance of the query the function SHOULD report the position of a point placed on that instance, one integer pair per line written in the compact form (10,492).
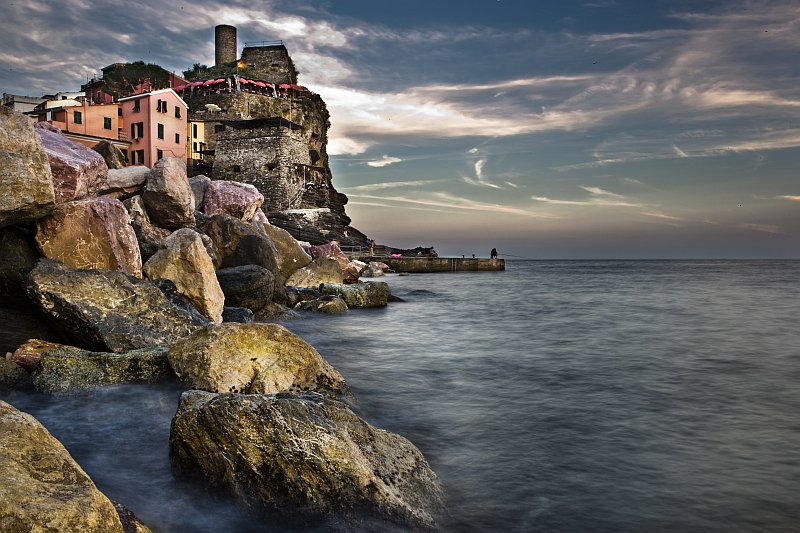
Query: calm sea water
(555,396)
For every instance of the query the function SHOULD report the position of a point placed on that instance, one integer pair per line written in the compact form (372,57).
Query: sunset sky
(547,129)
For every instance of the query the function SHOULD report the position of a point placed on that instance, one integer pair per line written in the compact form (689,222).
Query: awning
(179,88)
(260,83)
(292,86)
(209,82)
(221,80)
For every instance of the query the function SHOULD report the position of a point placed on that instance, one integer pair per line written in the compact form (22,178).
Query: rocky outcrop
(69,369)
(322,270)
(350,269)
(240,200)
(369,294)
(92,233)
(291,257)
(19,254)
(168,196)
(239,243)
(242,315)
(124,182)
(25,178)
(329,304)
(149,236)
(12,377)
(182,258)
(43,489)
(253,358)
(248,286)
(112,155)
(29,353)
(302,453)
(106,310)
(78,172)
(199,184)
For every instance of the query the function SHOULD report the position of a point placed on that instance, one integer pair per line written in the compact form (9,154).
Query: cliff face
(279,145)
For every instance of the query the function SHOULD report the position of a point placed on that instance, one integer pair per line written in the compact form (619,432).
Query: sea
(555,396)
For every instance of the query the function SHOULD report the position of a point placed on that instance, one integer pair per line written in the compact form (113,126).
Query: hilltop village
(243,119)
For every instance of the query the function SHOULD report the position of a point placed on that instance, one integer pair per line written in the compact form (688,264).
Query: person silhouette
(493,255)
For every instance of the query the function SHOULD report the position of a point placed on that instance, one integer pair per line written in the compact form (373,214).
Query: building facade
(86,123)
(156,126)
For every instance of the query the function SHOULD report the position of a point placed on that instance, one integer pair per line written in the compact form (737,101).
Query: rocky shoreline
(146,275)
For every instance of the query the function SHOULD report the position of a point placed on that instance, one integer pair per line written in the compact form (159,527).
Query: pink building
(155,124)
(88,124)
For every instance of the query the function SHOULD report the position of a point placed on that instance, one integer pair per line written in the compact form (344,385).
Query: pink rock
(331,250)
(78,172)
(92,233)
(28,354)
(232,198)
(260,216)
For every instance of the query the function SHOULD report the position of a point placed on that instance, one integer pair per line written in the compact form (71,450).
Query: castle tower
(224,44)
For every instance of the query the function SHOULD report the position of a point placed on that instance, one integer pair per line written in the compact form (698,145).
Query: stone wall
(270,63)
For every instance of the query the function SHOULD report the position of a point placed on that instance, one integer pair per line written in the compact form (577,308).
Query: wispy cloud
(384,161)
(599,197)
(763,228)
(479,179)
(659,214)
(389,185)
(450,201)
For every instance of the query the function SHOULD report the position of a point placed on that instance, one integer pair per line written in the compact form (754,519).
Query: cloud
(450,201)
(679,152)
(480,180)
(790,197)
(763,228)
(389,185)
(659,214)
(597,191)
(384,161)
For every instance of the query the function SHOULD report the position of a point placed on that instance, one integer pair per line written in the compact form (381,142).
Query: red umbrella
(221,80)
(209,82)
(260,83)
(179,88)
(243,80)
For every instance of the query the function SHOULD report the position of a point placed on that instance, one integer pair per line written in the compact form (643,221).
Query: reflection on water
(555,396)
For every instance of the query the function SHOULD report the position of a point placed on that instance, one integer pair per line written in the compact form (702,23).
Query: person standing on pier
(494,253)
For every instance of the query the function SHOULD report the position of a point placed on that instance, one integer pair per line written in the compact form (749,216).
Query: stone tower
(224,44)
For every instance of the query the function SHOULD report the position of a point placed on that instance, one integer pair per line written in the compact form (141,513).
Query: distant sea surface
(557,396)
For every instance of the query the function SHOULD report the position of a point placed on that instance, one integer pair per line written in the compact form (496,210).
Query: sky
(547,129)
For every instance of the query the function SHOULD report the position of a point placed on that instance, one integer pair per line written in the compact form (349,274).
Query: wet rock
(167,195)
(19,254)
(248,286)
(78,172)
(275,312)
(91,233)
(70,369)
(371,273)
(295,295)
(112,155)
(199,184)
(303,453)
(182,258)
(369,294)
(25,178)
(322,270)
(239,243)
(12,377)
(43,488)
(257,358)
(106,310)
(124,182)
(130,523)
(241,315)
(240,200)
(168,289)
(378,265)
(332,305)
(29,353)
(149,236)
(290,257)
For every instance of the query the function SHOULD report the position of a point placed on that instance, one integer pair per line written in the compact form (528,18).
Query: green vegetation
(203,72)
(121,78)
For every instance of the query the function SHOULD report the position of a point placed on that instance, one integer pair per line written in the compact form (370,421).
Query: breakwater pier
(439,264)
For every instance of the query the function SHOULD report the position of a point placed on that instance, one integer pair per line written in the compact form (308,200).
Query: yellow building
(196,143)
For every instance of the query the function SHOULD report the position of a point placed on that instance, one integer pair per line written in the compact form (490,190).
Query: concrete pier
(439,264)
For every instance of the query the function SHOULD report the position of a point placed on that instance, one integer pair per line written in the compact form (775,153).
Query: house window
(162,106)
(137,106)
(177,111)
(119,111)
(77,117)
(177,138)
(138,157)
(194,147)
(194,131)
(137,130)
(106,123)
(160,131)
(219,127)
(159,154)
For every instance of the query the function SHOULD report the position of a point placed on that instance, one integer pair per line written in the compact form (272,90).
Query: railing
(263,43)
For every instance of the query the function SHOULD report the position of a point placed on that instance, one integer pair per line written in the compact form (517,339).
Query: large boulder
(199,184)
(182,258)
(168,196)
(70,369)
(30,351)
(331,250)
(369,294)
(107,310)
(25,178)
(250,286)
(91,233)
(42,488)
(240,200)
(112,155)
(149,236)
(322,270)
(332,305)
(19,254)
(253,358)
(291,257)
(124,182)
(12,377)
(303,454)
(78,172)
(239,243)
